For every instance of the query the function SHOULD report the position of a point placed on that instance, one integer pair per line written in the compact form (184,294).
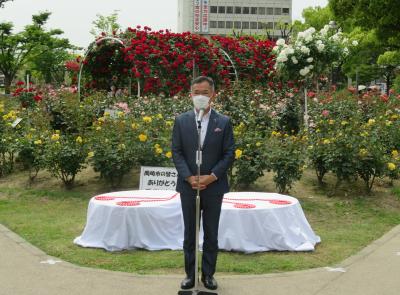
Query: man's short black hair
(202,79)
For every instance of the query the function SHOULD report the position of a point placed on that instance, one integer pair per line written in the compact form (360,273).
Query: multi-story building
(223,17)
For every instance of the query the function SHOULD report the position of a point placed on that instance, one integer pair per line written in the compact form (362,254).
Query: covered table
(152,219)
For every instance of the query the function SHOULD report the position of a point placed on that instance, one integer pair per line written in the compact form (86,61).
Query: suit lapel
(212,123)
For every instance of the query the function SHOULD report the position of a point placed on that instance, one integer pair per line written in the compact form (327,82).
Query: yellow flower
(258,144)
(331,122)
(142,137)
(79,139)
(169,123)
(121,146)
(120,114)
(326,141)
(90,154)
(98,128)
(388,123)
(37,142)
(394,117)
(147,119)
(363,152)
(391,166)
(134,126)
(5,117)
(156,146)
(371,122)
(159,151)
(238,154)
(395,153)
(159,116)
(106,114)
(55,137)
(168,155)
(101,119)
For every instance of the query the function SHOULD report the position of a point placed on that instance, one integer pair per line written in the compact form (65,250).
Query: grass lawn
(49,217)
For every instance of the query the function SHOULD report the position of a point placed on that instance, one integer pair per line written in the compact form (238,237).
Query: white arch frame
(89,49)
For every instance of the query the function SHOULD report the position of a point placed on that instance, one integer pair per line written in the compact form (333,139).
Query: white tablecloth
(250,222)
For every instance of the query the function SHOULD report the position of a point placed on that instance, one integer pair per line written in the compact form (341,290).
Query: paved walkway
(373,271)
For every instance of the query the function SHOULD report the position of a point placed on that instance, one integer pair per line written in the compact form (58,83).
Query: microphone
(200,116)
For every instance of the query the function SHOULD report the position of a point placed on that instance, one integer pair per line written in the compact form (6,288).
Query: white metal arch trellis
(89,49)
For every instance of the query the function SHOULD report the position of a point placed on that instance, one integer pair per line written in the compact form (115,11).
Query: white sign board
(197,16)
(16,122)
(205,15)
(158,178)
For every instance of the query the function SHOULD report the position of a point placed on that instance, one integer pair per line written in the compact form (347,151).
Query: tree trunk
(388,81)
(7,83)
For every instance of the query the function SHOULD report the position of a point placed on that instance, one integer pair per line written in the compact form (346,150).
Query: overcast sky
(75,17)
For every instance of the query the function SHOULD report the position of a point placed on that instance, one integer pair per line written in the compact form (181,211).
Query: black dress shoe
(209,282)
(187,283)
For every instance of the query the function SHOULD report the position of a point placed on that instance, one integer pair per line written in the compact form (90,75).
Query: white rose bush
(311,53)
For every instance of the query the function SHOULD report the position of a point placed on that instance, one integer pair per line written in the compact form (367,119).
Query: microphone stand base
(195,292)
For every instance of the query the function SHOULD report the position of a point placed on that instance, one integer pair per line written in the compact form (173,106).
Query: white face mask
(201,102)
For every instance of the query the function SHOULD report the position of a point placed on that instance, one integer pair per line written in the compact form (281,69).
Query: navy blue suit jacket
(218,151)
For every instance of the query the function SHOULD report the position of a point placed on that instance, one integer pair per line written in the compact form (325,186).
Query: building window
(253,25)
(213,24)
(229,9)
(238,25)
(285,10)
(270,25)
(238,10)
(221,9)
(270,11)
(229,24)
(221,25)
(261,10)
(262,26)
(213,9)
(246,10)
(253,10)
(278,11)
(245,25)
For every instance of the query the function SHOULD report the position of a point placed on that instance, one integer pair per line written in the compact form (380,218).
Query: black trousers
(210,206)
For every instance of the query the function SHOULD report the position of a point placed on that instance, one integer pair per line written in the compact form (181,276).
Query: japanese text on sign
(205,15)
(197,16)
(158,178)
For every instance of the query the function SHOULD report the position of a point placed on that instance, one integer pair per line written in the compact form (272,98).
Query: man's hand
(203,182)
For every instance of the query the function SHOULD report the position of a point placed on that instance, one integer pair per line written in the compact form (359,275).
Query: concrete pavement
(26,270)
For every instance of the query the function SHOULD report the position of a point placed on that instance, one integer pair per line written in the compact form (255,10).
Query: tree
(17,49)
(383,16)
(105,24)
(50,67)
(389,61)
(316,17)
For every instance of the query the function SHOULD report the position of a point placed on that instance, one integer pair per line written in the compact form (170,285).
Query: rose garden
(297,131)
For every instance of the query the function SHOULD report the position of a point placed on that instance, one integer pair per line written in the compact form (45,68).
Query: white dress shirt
(204,125)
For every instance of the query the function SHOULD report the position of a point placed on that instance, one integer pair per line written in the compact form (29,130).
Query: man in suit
(218,154)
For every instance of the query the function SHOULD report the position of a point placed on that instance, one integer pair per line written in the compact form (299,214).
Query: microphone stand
(199,160)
